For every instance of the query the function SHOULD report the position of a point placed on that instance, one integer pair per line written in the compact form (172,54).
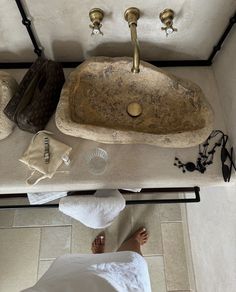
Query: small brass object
(132,15)
(96,16)
(134,109)
(166,17)
(46,150)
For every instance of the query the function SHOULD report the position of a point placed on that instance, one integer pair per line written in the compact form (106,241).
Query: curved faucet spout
(136,56)
(131,16)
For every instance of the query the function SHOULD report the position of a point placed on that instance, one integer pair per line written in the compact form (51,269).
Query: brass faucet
(132,15)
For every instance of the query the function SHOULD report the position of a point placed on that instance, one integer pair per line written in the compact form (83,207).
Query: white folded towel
(42,198)
(96,211)
(138,190)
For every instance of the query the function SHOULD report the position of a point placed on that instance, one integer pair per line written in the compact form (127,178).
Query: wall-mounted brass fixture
(132,15)
(96,16)
(166,17)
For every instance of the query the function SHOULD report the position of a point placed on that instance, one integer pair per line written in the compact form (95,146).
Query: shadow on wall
(65,51)
(149,51)
(26,55)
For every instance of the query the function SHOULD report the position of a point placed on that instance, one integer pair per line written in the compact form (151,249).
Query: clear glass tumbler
(97,161)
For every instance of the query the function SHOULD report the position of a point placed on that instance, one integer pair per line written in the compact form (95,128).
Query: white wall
(212,229)
(212,222)
(224,69)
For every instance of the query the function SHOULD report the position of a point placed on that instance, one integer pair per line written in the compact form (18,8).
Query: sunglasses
(226,170)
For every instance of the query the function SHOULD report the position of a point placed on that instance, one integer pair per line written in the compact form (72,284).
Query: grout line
(163,253)
(40,238)
(189,247)
(152,255)
(164,259)
(40,246)
(173,221)
(47,259)
(35,226)
(70,239)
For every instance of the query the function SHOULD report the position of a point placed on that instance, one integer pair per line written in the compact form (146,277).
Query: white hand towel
(42,198)
(97,211)
(138,190)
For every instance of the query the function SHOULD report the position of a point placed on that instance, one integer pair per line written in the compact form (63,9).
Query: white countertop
(129,166)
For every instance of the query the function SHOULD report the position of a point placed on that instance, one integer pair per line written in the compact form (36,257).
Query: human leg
(134,243)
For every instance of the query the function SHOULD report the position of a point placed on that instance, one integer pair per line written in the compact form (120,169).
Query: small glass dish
(97,161)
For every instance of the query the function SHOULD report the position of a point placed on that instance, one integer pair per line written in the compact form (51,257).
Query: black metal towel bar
(163,63)
(195,190)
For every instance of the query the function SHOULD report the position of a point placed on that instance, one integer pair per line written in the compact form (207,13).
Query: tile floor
(30,239)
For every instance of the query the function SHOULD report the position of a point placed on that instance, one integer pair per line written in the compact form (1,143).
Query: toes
(101,239)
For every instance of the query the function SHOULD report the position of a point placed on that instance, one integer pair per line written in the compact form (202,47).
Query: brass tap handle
(96,16)
(166,17)
(96,29)
(169,29)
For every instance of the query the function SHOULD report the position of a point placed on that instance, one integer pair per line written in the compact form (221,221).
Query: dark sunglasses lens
(224,154)
(225,172)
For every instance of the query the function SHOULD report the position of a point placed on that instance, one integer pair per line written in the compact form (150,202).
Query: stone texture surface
(19,252)
(43,267)
(6,218)
(175,258)
(8,87)
(40,217)
(55,241)
(94,101)
(157,273)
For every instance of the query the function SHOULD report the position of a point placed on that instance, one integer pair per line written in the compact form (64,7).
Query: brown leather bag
(37,97)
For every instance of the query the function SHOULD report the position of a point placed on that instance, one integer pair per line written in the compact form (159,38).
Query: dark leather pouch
(37,97)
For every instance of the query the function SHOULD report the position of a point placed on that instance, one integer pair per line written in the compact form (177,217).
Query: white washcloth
(97,211)
(138,190)
(42,198)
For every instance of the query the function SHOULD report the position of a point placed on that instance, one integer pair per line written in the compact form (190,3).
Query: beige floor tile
(157,273)
(181,291)
(43,267)
(14,201)
(19,252)
(55,241)
(175,258)
(170,212)
(40,217)
(120,230)
(6,218)
(82,236)
(148,216)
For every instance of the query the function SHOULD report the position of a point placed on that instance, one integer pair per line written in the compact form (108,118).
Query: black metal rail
(217,47)
(27,22)
(147,191)
(162,63)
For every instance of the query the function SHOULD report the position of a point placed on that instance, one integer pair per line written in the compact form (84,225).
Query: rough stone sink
(94,102)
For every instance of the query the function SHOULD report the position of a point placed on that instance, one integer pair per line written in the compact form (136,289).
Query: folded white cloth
(96,211)
(42,198)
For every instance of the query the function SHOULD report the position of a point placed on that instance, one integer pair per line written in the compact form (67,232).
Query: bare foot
(140,235)
(98,245)
(139,238)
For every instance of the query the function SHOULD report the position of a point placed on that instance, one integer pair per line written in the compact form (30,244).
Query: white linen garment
(108,272)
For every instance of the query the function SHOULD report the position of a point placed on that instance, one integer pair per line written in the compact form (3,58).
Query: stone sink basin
(95,99)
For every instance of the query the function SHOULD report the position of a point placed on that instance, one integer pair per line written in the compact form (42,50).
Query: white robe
(118,271)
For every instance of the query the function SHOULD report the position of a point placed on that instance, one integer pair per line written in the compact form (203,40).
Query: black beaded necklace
(205,155)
